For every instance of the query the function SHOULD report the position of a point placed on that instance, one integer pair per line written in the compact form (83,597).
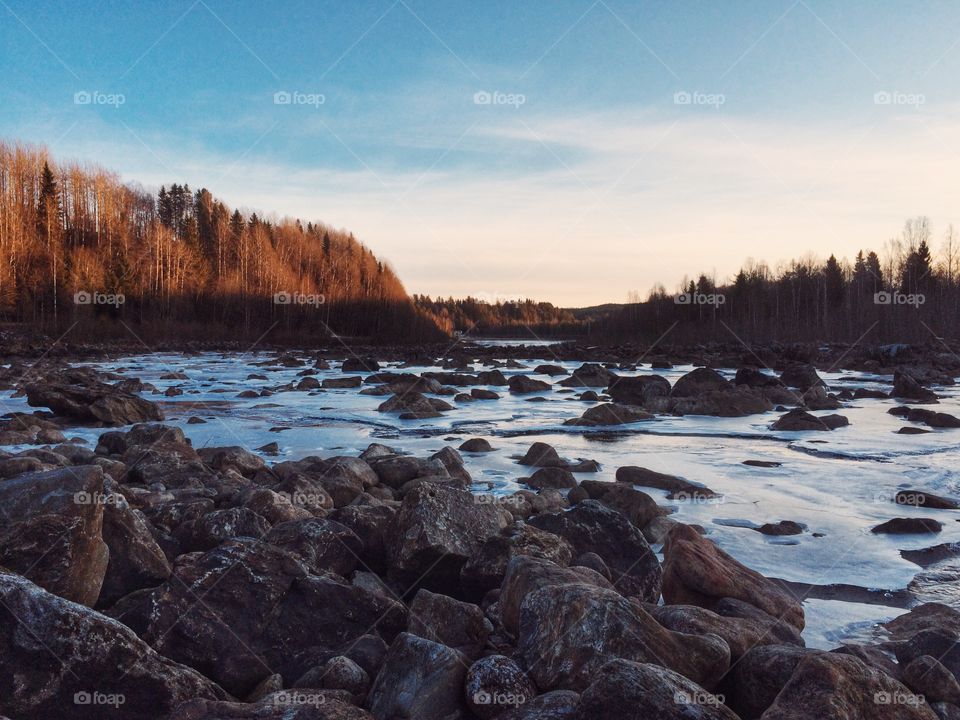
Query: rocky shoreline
(146,578)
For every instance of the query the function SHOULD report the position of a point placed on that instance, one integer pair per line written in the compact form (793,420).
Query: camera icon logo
(282,97)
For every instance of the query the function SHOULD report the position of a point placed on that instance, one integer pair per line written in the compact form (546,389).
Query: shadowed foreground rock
(567,633)
(52,530)
(77,393)
(627,690)
(59,659)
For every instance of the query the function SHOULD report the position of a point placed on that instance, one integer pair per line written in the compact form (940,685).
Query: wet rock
(677,487)
(521,384)
(784,527)
(697,572)
(554,705)
(476,445)
(592,527)
(699,381)
(549,370)
(567,633)
(496,684)
(627,690)
(52,530)
(77,393)
(611,414)
(419,679)
(932,419)
(374,525)
(800,420)
(905,526)
(762,463)
(437,530)
(54,652)
(240,459)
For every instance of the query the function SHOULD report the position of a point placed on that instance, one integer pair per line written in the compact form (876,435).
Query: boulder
(638,507)
(829,686)
(802,376)
(135,560)
(639,390)
(496,684)
(419,679)
(908,526)
(458,625)
(485,570)
(801,420)
(521,384)
(60,659)
(927,676)
(567,634)
(905,386)
(438,528)
(323,545)
(52,530)
(699,381)
(590,375)
(626,690)
(678,487)
(541,454)
(697,572)
(610,414)
(551,477)
(593,527)
(78,394)
(554,705)
(255,602)
(754,681)
(476,445)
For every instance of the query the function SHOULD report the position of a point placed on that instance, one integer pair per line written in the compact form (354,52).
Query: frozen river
(838,484)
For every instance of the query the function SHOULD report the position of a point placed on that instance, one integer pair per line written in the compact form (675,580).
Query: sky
(572,151)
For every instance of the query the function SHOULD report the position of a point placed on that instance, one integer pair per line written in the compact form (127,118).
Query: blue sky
(623,142)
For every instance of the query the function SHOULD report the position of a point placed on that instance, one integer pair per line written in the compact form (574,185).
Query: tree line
(520,318)
(908,292)
(78,246)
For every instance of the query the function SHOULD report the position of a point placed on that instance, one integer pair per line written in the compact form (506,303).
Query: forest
(510,318)
(79,248)
(906,293)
